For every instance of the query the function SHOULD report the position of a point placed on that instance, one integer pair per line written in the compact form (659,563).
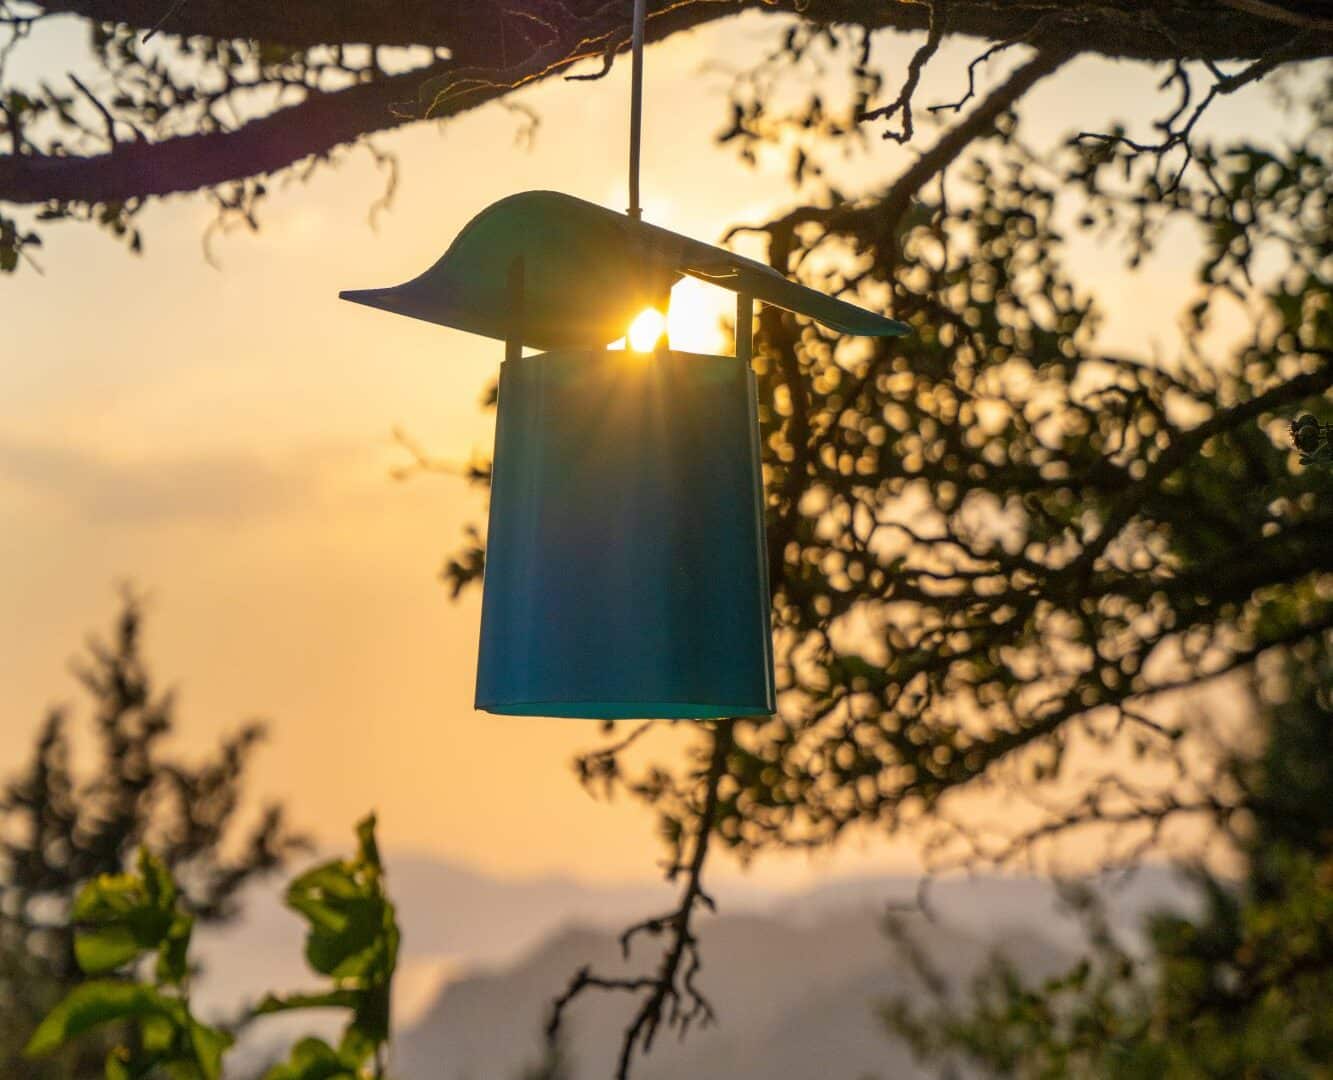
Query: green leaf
(358,1044)
(158,883)
(356,952)
(329,999)
(344,903)
(209,1045)
(368,849)
(100,951)
(172,956)
(336,878)
(117,1067)
(121,916)
(95,1003)
(371,1023)
(313,1059)
(321,915)
(157,1033)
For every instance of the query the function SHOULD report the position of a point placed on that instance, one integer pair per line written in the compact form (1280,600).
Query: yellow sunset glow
(693,321)
(647,327)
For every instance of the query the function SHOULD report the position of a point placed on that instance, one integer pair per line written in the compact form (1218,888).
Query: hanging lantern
(626,568)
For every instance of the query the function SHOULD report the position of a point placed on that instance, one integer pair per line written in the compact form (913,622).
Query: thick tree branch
(321,122)
(885,212)
(473,24)
(1194,29)
(494,50)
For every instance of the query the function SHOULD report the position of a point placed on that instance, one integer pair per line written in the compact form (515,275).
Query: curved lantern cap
(587,271)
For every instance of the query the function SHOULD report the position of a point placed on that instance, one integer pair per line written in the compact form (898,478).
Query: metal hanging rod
(636,107)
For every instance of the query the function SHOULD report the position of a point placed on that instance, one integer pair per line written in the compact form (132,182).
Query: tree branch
(321,122)
(671,992)
(919,60)
(473,28)
(954,141)
(1175,455)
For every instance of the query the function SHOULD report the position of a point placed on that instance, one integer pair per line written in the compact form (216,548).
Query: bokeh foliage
(995,539)
(62,827)
(352,939)
(119,918)
(1243,989)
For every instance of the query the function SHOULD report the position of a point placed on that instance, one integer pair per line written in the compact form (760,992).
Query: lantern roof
(586,272)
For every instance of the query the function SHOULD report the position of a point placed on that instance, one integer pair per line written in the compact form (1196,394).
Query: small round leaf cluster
(1313,439)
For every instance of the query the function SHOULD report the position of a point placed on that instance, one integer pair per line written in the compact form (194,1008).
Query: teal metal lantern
(626,569)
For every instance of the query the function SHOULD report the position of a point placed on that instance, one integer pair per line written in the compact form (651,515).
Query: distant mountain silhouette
(795,988)
(453,918)
(793,975)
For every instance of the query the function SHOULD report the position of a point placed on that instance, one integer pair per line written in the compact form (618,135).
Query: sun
(646,329)
(693,322)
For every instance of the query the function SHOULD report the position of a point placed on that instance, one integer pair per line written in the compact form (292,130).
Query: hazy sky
(222,437)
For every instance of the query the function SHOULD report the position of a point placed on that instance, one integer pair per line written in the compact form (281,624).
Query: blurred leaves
(995,540)
(314,1059)
(120,918)
(353,938)
(1243,989)
(69,905)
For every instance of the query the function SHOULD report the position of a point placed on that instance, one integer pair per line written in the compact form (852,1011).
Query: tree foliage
(217,96)
(353,939)
(62,827)
(999,552)
(1246,988)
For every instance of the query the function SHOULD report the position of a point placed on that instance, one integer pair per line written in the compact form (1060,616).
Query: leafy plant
(62,827)
(122,920)
(353,939)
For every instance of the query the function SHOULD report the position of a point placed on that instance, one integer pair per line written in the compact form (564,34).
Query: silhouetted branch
(1179,137)
(603,764)
(672,993)
(920,58)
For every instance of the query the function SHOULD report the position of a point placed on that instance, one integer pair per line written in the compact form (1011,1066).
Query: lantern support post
(514,289)
(636,107)
(744,326)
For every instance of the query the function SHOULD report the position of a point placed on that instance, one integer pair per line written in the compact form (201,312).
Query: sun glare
(693,321)
(647,327)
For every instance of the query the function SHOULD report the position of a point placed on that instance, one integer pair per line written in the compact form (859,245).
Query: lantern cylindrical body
(626,571)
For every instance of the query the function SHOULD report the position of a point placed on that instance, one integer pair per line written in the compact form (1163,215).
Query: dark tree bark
(482,52)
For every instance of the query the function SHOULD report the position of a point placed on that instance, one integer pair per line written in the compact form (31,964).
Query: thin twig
(920,58)
(175,7)
(107,118)
(671,992)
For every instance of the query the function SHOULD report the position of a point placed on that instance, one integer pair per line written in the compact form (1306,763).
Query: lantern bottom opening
(624,710)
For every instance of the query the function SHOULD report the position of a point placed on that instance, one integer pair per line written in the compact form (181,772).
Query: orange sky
(222,438)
